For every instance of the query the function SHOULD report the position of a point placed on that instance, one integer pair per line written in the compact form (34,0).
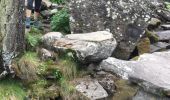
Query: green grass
(11,89)
(33,38)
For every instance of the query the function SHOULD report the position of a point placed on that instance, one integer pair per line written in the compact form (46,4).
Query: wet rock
(150,71)
(127,20)
(143,46)
(91,89)
(164,35)
(89,47)
(142,95)
(50,37)
(159,46)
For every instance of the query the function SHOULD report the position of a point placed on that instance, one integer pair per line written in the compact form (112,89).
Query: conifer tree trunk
(11,30)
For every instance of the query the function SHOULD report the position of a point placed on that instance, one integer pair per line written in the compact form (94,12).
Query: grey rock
(50,37)
(159,46)
(47,2)
(163,35)
(127,20)
(89,47)
(48,13)
(166,26)
(164,15)
(150,71)
(142,95)
(45,54)
(12,28)
(106,80)
(91,89)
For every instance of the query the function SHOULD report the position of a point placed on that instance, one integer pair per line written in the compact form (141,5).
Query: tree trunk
(11,30)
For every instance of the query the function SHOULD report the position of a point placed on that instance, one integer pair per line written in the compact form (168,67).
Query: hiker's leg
(28,13)
(37,9)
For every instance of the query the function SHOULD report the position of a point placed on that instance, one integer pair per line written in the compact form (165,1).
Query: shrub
(60,21)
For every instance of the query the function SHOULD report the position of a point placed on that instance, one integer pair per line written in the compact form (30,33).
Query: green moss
(11,89)
(124,90)
(152,36)
(143,46)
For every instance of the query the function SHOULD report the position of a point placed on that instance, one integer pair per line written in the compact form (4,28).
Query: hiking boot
(28,22)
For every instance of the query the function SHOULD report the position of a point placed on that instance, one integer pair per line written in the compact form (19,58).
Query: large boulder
(89,47)
(150,71)
(125,19)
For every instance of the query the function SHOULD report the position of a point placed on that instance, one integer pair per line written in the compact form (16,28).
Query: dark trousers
(37,5)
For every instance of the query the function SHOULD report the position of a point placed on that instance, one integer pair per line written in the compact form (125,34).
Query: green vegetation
(58,1)
(11,89)
(33,38)
(60,21)
(167,5)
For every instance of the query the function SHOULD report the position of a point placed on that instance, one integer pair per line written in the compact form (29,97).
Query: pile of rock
(116,30)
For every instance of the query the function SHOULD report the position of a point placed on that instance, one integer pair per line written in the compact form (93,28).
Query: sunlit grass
(11,89)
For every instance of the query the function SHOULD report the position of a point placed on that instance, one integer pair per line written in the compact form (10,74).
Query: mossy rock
(125,90)
(154,23)
(143,46)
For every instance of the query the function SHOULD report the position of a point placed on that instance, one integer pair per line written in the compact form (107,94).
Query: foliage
(11,90)
(58,1)
(33,38)
(60,21)
(167,5)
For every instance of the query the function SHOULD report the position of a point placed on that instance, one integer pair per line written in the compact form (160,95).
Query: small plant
(58,1)
(60,21)
(33,38)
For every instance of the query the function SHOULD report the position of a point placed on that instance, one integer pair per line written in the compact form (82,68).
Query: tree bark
(12,30)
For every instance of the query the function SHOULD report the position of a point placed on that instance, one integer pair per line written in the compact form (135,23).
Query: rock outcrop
(12,40)
(150,71)
(126,20)
(89,47)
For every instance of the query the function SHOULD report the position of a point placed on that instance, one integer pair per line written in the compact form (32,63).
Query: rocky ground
(99,64)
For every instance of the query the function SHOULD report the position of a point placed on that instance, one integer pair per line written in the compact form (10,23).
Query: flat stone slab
(89,47)
(91,89)
(163,35)
(159,46)
(150,71)
(94,36)
(166,26)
